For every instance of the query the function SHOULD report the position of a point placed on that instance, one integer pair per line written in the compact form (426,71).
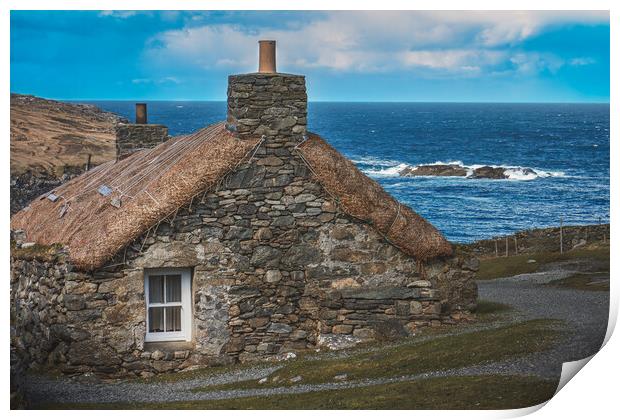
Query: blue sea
(567,145)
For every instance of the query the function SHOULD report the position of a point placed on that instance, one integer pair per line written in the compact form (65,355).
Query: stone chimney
(267,103)
(133,137)
(141,113)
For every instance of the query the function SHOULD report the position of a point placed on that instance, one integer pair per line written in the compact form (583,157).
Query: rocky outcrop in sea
(477,172)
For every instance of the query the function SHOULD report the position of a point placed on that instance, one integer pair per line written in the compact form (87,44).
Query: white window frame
(186,307)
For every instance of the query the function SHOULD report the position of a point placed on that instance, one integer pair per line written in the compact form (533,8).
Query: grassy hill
(48,136)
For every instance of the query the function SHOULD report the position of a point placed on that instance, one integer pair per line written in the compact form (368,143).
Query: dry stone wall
(133,137)
(27,186)
(542,240)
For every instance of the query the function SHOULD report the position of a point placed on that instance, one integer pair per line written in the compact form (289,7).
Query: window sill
(168,345)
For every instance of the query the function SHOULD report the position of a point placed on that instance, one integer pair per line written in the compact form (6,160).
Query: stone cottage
(244,240)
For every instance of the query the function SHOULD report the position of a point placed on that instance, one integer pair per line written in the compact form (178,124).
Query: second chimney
(131,138)
(141,113)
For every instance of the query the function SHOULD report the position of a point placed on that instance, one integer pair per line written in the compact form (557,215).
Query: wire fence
(510,244)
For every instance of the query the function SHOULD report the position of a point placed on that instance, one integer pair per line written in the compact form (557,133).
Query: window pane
(173,288)
(156,289)
(173,318)
(156,320)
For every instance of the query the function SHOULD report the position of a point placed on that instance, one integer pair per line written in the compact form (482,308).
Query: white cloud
(119,14)
(531,63)
(581,61)
(159,81)
(465,60)
(360,41)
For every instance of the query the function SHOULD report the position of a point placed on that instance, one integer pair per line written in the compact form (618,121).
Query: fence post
(561,237)
(516,248)
(506,245)
(496,251)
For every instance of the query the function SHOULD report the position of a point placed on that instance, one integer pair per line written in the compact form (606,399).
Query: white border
(592,394)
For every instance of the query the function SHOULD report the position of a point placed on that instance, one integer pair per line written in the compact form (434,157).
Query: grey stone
(74,302)
(299,256)
(246,209)
(342,329)
(380,293)
(283,221)
(265,256)
(304,198)
(239,233)
(279,328)
(67,333)
(273,276)
(415,307)
(263,234)
(420,283)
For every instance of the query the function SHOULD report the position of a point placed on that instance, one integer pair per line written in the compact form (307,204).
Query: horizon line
(353,102)
(599,102)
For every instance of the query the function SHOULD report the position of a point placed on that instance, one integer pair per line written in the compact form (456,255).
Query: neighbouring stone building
(242,241)
(131,138)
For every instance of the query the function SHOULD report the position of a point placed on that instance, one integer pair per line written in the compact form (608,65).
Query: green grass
(469,392)
(492,268)
(413,358)
(582,281)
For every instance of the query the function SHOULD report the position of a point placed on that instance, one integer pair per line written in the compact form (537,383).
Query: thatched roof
(153,184)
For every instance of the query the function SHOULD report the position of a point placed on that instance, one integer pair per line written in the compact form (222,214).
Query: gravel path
(584,314)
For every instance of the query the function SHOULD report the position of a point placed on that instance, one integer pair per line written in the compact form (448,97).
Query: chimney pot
(266,56)
(141,113)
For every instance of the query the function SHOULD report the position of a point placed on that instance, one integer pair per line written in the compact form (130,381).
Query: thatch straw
(151,184)
(364,199)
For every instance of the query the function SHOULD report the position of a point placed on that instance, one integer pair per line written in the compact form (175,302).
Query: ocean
(567,146)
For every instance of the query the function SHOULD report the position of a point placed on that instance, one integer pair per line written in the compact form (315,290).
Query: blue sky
(346,56)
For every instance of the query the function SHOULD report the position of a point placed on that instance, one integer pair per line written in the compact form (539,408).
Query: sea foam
(382,168)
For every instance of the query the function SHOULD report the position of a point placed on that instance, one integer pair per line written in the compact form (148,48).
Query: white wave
(381,168)
(374,161)
(389,172)
(440,162)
